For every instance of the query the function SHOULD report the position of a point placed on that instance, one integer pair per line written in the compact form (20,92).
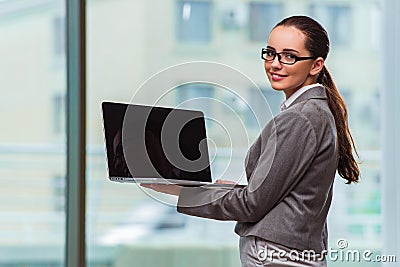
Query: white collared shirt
(296,94)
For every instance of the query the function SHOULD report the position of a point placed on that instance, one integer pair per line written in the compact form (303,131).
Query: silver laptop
(149,144)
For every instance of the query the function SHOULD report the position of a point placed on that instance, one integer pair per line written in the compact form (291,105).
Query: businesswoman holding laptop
(291,166)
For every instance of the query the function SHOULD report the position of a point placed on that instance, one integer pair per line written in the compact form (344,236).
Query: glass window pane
(337,20)
(195,96)
(272,97)
(263,17)
(32,139)
(125,226)
(194,23)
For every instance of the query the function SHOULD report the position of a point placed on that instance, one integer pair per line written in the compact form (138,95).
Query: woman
(285,205)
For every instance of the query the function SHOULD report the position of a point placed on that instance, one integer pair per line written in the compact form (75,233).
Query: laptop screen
(155,142)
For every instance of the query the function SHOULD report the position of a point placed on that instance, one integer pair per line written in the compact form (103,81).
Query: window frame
(390,130)
(75,248)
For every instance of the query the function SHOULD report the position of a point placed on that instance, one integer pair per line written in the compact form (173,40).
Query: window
(127,227)
(59,114)
(263,17)
(273,98)
(32,169)
(196,96)
(59,35)
(337,20)
(58,185)
(194,22)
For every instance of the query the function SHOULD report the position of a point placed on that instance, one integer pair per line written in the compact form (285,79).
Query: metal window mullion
(391,129)
(75,251)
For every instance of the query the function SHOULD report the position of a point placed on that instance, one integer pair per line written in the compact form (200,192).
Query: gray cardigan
(290,170)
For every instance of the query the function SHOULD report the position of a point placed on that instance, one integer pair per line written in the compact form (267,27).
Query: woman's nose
(276,64)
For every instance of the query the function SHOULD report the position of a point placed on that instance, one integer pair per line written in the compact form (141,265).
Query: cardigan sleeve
(287,148)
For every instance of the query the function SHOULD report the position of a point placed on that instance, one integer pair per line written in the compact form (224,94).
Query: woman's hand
(224,182)
(170,189)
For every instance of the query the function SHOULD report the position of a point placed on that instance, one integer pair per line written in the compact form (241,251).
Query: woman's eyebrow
(290,50)
(284,50)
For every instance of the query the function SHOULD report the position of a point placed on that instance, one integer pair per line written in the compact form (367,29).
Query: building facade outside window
(194,22)
(337,19)
(262,16)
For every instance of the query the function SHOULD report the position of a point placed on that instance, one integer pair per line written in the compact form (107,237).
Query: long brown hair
(317,43)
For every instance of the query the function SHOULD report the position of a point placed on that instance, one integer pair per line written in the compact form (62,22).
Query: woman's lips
(277,77)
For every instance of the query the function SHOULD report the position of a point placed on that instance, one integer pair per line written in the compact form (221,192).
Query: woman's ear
(317,66)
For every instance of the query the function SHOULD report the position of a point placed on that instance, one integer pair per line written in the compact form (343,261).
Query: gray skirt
(257,252)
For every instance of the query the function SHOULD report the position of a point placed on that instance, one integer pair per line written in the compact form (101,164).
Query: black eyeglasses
(283,57)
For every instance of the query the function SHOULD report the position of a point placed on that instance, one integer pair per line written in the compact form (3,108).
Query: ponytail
(347,167)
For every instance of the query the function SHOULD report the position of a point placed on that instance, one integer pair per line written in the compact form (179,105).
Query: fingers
(146,185)
(224,182)
(170,189)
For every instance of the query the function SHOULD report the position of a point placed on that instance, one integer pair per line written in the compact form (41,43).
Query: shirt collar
(296,94)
